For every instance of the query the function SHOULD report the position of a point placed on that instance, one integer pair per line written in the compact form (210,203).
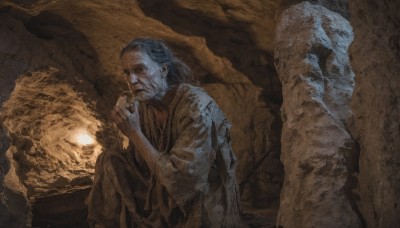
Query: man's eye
(126,72)
(139,70)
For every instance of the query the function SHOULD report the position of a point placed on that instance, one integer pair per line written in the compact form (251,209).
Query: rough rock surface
(82,39)
(317,151)
(44,125)
(15,209)
(375,55)
(338,6)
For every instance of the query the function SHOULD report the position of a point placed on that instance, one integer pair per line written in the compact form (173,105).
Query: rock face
(375,58)
(44,97)
(47,145)
(15,209)
(318,153)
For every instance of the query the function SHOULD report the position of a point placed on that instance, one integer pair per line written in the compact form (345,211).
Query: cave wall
(41,86)
(375,58)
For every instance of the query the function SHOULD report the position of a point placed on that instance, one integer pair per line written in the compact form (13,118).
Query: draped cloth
(194,184)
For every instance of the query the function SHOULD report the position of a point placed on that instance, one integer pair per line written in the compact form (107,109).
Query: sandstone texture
(44,144)
(318,153)
(375,58)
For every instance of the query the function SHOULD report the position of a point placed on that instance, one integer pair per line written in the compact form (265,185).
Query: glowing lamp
(84,139)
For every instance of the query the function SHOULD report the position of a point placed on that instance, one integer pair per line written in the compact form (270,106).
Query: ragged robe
(194,184)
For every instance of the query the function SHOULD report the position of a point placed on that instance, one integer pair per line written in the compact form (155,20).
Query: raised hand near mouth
(126,116)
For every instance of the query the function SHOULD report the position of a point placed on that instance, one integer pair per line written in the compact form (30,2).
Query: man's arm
(129,123)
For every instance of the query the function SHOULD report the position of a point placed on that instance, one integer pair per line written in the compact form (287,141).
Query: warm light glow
(84,138)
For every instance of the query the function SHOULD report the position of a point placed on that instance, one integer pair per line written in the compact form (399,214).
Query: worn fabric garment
(194,184)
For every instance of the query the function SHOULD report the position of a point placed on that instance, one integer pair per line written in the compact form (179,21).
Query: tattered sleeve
(183,170)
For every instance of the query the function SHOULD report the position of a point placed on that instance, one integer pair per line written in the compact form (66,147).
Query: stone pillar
(318,153)
(375,103)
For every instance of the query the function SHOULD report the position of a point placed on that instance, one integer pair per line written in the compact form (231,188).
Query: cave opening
(54,146)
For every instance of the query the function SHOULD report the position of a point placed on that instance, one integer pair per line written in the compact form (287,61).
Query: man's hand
(126,117)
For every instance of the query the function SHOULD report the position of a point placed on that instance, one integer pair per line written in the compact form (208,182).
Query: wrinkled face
(146,78)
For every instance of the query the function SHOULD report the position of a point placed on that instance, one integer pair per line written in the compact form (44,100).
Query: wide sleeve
(183,171)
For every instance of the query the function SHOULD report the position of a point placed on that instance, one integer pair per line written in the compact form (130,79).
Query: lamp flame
(84,138)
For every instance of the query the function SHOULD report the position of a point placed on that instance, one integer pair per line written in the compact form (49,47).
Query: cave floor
(69,210)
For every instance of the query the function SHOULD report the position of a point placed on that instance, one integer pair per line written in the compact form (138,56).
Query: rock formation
(318,153)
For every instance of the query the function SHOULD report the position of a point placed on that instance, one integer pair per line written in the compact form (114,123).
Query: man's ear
(164,70)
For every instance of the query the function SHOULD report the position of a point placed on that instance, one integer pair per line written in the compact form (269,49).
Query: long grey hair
(158,51)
